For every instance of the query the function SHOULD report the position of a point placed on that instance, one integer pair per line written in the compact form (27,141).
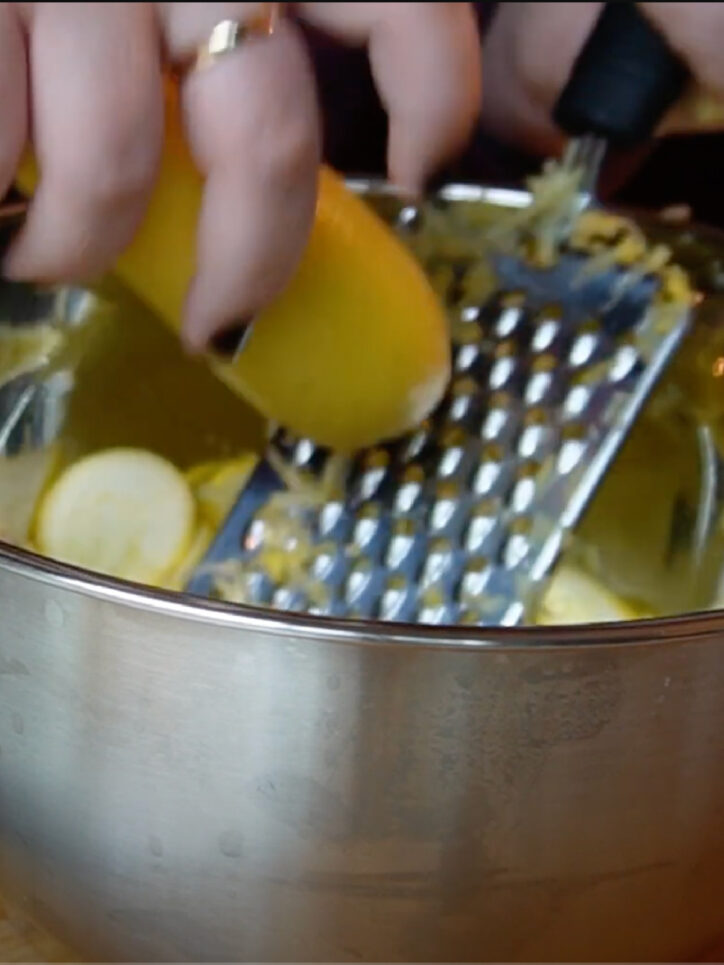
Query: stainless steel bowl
(190,781)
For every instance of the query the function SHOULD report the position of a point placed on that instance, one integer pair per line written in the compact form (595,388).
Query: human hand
(84,82)
(531,47)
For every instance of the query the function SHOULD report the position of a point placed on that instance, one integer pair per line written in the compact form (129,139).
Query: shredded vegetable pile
(554,222)
(288,550)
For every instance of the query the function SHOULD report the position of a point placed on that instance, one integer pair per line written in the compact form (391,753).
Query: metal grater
(463,520)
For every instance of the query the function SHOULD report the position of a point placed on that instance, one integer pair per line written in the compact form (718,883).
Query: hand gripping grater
(463,520)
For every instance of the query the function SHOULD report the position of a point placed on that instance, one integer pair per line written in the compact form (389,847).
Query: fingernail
(230,343)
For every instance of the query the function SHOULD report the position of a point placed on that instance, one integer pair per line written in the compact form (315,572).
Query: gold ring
(228,35)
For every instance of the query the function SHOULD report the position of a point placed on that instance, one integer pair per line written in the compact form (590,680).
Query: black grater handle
(624,80)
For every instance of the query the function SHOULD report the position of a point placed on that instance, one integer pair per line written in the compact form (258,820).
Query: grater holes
(416,443)
(570,455)
(577,401)
(589,343)
(434,608)
(626,360)
(524,489)
(456,449)
(500,421)
(502,372)
(438,563)
(484,526)
(466,328)
(467,357)
(470,315)
(463,400)
(517,546)
(367,528)
(395,599)
(404,539)
(452,461)
(289,599)
(536,441)
(492,472)
(372,473)
(572,448)
(358,582)
(302,454)
(445,509)
(474,580)
(499,425)
(512,615)
(508,321)
(546,332)
(332,521)
(540,387)
(324,562)
(584,348)
(410,490)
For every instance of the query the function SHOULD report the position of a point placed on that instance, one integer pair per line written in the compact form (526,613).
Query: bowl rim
(644,632)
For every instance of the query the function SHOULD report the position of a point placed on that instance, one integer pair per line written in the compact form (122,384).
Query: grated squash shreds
(288,550)
(538,232)
(554,221)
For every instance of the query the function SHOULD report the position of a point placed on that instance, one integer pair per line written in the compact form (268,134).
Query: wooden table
(20,942)
(15,945)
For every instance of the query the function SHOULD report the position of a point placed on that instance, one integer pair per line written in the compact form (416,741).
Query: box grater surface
(463,520)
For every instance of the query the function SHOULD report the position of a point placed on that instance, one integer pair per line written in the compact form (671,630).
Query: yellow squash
(575,597)
(353,352)
(123,512)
